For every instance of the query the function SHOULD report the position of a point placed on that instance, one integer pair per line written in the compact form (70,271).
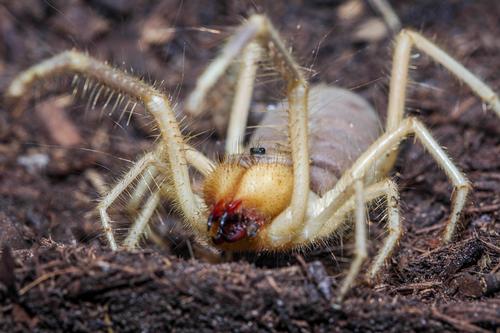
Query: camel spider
(264,201)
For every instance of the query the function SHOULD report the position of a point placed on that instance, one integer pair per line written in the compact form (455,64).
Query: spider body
(247,192)
(329,158)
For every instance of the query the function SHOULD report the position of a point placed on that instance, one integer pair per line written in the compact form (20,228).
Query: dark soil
(56,273)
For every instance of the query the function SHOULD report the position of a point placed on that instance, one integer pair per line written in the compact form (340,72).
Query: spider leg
(388,188)
(385,188)
(259,29)
(242,99)
(352,181)
(405,41)
(174,148)
(142,221)
(393,225)
(335,203)
(198,160)
(195,158)
(387,142)
(162,188)
(380,157)
(108,199)
(143,186)
(399,75)
(360,239)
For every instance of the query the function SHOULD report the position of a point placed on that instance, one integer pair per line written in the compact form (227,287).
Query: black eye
(257,151)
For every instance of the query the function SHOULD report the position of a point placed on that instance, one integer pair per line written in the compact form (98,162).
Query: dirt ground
(56,272)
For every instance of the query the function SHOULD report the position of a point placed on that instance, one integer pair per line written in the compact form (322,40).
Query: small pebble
(33,163)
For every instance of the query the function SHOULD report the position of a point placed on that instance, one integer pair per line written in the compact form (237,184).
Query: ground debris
(59,126)
(75,288)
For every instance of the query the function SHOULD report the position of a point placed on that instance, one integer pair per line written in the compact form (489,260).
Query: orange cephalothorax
(242,199)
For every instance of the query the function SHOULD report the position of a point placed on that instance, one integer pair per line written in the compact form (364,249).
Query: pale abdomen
(342,125)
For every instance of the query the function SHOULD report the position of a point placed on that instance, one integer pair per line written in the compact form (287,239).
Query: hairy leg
(387,142)
(325,207)
(154,101)
(321,210)
(142,187)
(361,252)
(142,221)
(138,168)
(393,225)
(405,41)
(242,98)
(385,188)
(201,163)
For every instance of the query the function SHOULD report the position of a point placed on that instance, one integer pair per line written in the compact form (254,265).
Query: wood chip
(59,126)
(351,10)
(372,30)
